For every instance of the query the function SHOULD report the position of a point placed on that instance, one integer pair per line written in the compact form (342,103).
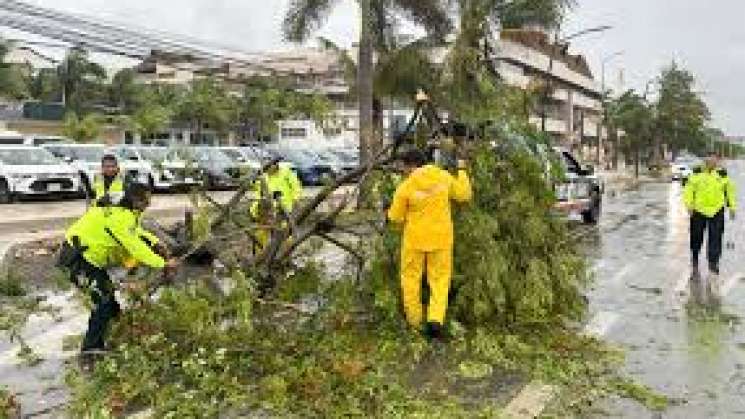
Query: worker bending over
(106,237)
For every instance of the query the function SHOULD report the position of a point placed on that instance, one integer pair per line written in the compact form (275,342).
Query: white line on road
(730,284)
(536,395)
(620,274)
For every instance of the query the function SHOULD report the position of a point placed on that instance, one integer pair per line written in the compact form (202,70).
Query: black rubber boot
(434,331)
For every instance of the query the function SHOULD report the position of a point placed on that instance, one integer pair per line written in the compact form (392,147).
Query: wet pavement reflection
(683,337)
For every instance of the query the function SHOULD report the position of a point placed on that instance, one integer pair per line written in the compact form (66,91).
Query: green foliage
(12,76)
(514,264)
(83,129)
(681,112)
(547,13)
(9,406)
(81,81)
(206,104)
(266,101)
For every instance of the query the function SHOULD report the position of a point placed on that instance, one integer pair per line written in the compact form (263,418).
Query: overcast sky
(704,36)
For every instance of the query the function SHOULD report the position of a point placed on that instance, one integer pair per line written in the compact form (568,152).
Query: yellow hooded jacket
(112,235)
(422,203)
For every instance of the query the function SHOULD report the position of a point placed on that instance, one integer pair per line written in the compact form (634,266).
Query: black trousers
(715,227)
(105,307)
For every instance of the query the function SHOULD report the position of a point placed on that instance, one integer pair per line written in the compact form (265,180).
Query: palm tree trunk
(365,81)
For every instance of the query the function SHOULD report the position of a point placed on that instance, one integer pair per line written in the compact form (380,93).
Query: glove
(105,201)
(162,250)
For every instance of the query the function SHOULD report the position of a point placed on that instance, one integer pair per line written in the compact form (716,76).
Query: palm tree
(12,83)
(397,75)
(81,80)
(377,21)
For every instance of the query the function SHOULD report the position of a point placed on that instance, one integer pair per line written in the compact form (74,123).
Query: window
(294,133)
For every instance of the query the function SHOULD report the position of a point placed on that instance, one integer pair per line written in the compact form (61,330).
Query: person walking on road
(106,237)
(706,196)
(422,204)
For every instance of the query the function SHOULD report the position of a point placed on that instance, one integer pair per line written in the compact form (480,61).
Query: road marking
(536,395)
(48,343)
(620,274)
(531,401)
(730,284)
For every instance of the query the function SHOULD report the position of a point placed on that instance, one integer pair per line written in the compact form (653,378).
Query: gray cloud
(706,37)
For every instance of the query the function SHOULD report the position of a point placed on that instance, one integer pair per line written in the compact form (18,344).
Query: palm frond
(304,17)
(432,15)
(343,58)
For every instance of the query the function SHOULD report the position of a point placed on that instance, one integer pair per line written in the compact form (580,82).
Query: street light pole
(603,96)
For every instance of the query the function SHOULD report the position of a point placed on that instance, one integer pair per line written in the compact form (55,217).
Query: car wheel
(6,197)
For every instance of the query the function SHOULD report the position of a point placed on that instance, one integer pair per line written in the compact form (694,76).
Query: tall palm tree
(12,80)
(378,19)
(398,73)
(81,80)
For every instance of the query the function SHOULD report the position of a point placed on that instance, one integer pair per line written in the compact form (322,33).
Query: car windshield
(29,156)
(297,156)
(88,154)
(234,154)
(212,155)
(154,154)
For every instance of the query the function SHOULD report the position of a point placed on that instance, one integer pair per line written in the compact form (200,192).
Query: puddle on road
(695,355)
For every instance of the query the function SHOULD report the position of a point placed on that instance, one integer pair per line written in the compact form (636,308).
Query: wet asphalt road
(692,352)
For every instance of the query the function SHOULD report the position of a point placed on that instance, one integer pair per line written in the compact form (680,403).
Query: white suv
(34,171)
(167,171)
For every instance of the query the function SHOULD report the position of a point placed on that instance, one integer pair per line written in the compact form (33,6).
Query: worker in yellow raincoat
(422,204)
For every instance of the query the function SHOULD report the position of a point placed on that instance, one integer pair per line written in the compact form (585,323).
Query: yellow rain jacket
(422,203)
(113,235)
(708,192)
(286,182)
(115,191)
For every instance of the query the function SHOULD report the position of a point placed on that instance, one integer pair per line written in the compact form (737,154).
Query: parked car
(579,194)
(84,158)
(310,170)
(682,169)
(350,159)
(161,169)
(31,171)
(246,158)
(220,172)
